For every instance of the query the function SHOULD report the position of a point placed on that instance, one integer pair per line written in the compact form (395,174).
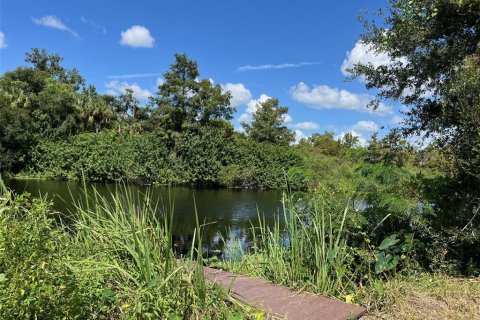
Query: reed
(129,236)
(306,247)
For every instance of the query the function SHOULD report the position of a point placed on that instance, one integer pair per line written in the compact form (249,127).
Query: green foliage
(183,99)
(93,111)
(267,124)
(388,254)
(323,143)
(249,160)
(435,74)
(206,156)
(199,155)
(391,150)
(327,161)
(308,246)
(141,158)
(113,261)
(35,255)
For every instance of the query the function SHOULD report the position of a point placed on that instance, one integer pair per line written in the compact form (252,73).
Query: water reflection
(227,215)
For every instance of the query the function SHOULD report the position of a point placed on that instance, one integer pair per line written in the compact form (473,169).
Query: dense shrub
(36,280)
(199,153)
(206,156)
(106,156)
(259,165)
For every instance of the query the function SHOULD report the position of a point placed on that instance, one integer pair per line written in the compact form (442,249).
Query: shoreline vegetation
(385,224)
(115,260)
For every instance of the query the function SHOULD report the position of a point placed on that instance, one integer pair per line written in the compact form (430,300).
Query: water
(228,214)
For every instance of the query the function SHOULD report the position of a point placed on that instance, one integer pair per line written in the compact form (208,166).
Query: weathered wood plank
(282,301)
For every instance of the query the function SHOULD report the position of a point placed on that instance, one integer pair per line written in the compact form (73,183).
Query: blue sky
(294,51)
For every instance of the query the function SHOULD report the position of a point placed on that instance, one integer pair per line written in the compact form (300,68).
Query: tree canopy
(267,124)
(183,99)
(434,71)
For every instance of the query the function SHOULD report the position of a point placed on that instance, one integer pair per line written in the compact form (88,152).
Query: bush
(199,153)
(257,165)
(205,156)
(36,280)
(106,156)
(115,261)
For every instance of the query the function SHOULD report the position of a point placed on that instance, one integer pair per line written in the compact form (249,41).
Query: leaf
(331,254)
(348,298)
(378,286)
(388,242)
(3,277)
(107,293)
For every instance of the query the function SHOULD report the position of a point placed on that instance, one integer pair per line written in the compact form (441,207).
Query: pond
(228,214)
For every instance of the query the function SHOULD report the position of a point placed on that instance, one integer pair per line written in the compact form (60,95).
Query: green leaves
(388,242)
(267,124)
(107,293)
(183,99)
(385,262)
(388,254)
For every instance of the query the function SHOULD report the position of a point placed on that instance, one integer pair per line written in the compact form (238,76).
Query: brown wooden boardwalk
(281,301)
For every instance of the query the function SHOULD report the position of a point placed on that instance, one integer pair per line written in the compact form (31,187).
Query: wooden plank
(282,301)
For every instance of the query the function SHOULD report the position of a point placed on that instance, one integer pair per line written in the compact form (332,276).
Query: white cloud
(365,126)
(245,117)
(159,82)
(325,97)
(95,27)
(116,87)
(137,36)
(364,54)
(252,106)
(307,125)
(287,118)
(3,40)
(239,129)
(55,23)
(275,66)
(362,130)
(299,135)
(240,94)
(397,120)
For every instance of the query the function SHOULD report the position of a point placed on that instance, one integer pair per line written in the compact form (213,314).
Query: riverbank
(113,261)
(116,260)
(148,158)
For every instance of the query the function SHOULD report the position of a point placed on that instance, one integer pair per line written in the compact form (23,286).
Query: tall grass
(130,237)
(307,245)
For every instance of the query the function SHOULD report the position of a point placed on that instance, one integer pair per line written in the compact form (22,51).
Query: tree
(325,143)
(267,124)
(51,63)
(35,103)
(435,72)
(183,99)
(93,110)
(350,141)
(391,150)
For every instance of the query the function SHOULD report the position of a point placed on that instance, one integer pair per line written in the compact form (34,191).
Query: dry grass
(424,297)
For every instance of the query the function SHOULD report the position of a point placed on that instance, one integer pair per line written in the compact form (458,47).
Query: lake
(227,213)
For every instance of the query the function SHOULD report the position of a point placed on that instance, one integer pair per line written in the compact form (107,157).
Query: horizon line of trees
(47,101)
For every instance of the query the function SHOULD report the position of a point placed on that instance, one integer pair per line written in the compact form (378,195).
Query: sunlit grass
(305,248)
